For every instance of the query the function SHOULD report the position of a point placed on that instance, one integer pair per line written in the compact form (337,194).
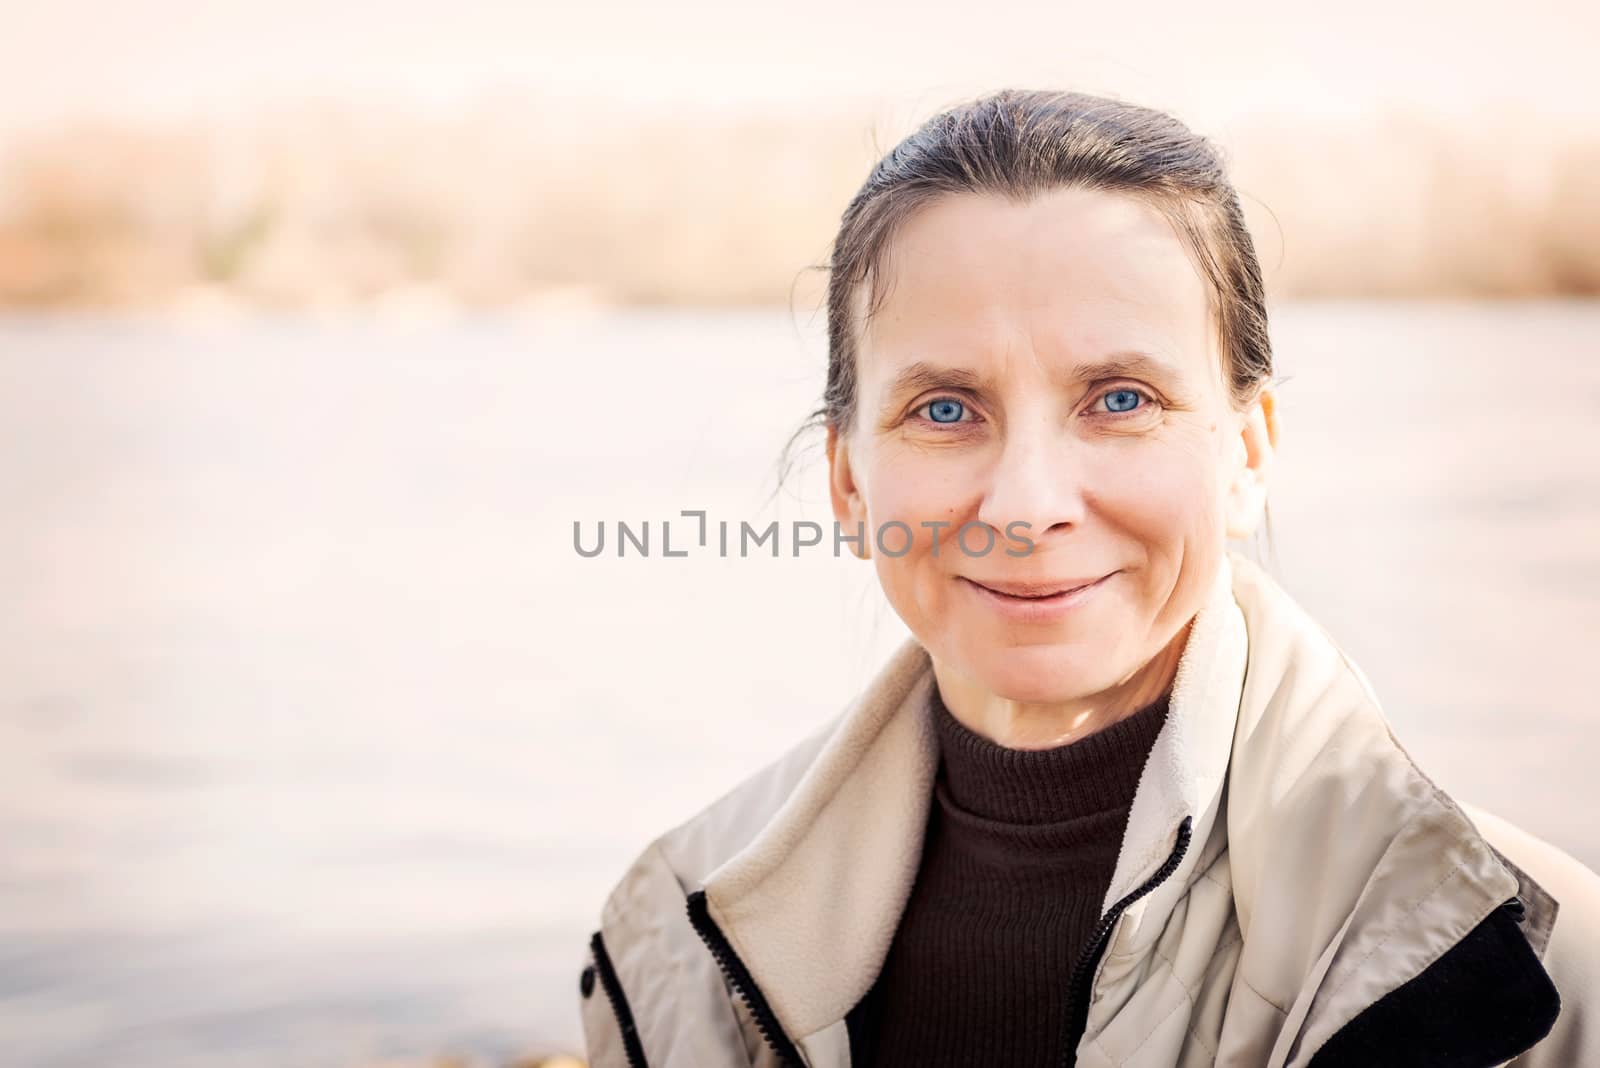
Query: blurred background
(322,324)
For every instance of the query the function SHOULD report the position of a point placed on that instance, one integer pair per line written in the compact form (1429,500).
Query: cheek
(908,489)
(1167,493)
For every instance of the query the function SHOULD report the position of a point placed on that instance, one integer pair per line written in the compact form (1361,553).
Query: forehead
(1072,273)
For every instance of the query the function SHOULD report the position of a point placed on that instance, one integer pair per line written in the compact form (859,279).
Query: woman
(1118,801)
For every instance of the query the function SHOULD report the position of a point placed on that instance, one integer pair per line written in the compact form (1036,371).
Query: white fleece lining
(1188,762)
(844,848)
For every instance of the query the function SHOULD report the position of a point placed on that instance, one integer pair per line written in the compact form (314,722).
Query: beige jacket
(1291,891)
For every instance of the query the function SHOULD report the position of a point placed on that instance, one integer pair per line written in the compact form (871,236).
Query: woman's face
(1054,365)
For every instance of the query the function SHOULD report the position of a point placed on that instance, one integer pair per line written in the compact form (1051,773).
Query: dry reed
(322,206)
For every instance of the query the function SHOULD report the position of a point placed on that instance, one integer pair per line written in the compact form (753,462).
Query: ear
(1254,451)
(849,509)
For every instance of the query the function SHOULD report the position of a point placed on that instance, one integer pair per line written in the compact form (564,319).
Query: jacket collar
(1348,865)
(812,903)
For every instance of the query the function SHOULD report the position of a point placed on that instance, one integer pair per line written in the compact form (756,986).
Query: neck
(1046,725)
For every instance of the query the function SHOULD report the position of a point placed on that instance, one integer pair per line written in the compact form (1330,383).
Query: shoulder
(680,858)
(645,933)
(698,846)
(1573,885)
(1572,953)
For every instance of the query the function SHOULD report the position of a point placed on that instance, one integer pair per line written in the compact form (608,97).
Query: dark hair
(1021,143)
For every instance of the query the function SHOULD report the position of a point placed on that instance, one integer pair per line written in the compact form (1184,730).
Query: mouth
(1038,591)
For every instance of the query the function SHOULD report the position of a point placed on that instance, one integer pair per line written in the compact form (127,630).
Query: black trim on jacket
(619,1003)
(1083,973)
(1485,1001)
(740,979)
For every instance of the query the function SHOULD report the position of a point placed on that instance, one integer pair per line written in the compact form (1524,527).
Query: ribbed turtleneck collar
(1090,775)
(1016,864)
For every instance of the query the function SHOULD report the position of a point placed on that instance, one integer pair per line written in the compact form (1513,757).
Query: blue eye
(946,411)
(1122,400)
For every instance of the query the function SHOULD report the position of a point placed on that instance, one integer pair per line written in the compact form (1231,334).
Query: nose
(1035,480)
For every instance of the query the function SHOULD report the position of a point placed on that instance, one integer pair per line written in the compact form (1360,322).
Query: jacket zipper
(743,984)
(1083,971)
(631,1046)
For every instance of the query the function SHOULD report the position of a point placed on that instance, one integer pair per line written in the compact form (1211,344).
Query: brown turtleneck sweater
(1018,855)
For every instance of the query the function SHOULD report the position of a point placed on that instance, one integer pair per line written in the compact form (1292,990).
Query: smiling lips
(1046,602)
(1036,590)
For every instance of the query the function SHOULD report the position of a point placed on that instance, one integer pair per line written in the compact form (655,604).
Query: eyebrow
(923,375)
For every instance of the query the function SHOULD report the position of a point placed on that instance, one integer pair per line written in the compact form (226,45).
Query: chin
(1042,674)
